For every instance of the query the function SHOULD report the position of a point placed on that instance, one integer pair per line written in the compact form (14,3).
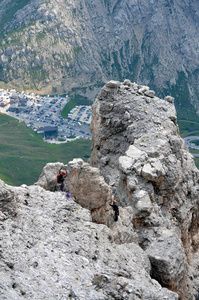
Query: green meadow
(189,128)
(23,154)
(77,100)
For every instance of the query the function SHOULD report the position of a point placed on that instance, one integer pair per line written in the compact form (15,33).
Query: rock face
(72,43)
(7,201)
(89,189)
(137,147)
(59,247)
(52,250)
(48,177)
(85,185)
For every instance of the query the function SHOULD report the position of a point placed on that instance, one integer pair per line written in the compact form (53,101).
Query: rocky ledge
(56,247)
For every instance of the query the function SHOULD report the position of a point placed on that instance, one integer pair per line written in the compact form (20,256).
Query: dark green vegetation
(23,154)
(196,159)
(180,91)
(196,142)
(77,100)
(189,128)
(10,9)
(188,120)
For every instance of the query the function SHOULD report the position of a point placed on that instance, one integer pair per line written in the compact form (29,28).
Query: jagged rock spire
(138,149)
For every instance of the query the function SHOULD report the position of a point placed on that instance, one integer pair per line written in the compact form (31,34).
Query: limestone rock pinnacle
(55,246)
(138,149)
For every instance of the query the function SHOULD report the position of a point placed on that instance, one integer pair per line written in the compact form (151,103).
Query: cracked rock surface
(55,246)
(138,149)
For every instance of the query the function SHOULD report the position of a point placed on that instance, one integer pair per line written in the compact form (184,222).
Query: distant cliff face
(64,44)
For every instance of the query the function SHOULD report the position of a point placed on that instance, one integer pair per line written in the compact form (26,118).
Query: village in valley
(43,115)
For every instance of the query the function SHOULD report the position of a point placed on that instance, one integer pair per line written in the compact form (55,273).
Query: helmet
(114,201)
(63,173)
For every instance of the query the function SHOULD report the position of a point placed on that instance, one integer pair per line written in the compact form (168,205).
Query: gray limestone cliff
(138,149)
(84,43)
(57,247)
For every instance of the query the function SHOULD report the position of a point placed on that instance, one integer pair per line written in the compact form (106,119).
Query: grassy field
(23,154)
(78,100)
(188,128)
(196,159)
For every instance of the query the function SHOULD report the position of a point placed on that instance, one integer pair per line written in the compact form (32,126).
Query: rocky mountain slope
(54,247)
(52,46)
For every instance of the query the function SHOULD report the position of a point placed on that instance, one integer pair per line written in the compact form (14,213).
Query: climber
(116,210)
(60,180)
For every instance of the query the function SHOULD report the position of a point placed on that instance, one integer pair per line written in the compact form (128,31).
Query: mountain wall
(137,147)
(59,247)
(53,46)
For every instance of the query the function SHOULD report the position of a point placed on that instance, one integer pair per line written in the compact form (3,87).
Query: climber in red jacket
(60,180)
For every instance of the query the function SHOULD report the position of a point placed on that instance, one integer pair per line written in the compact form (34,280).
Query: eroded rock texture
(58,247)
(137,147)
(52,250)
